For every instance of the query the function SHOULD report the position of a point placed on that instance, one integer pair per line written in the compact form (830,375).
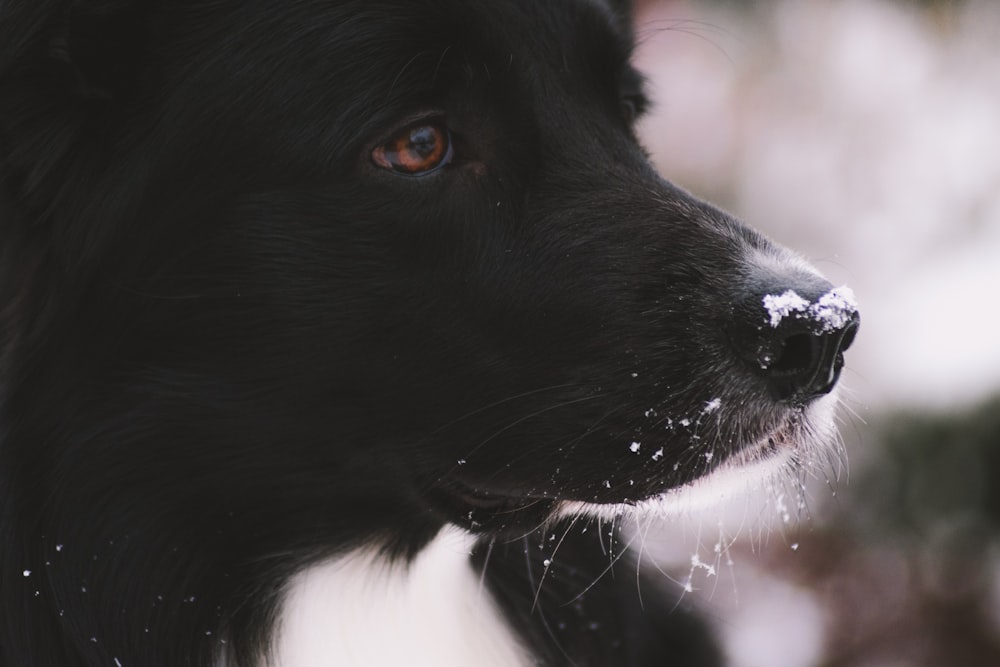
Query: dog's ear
(66,66)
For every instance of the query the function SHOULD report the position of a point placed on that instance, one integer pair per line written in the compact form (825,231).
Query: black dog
(288,286)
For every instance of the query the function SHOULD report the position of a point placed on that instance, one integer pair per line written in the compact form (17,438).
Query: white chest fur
(360,611)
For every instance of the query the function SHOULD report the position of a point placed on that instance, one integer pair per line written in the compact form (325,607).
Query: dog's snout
(795,338)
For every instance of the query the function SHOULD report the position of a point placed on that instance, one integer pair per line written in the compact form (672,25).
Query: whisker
(551,559)
(496,404)
(513,424)
(541,612)
(409,62)
(486,562)
(600,576)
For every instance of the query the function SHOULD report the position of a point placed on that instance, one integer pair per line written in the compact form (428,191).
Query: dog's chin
(770,463)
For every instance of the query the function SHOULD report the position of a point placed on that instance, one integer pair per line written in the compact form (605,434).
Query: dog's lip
(483,509)
(762,456)
(476,498)
(781,437)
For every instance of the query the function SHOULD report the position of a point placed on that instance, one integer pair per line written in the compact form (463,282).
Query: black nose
(795,337)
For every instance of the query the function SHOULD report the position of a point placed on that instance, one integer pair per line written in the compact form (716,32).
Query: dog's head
(266,257)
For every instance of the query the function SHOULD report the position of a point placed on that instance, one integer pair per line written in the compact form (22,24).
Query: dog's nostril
(798,344)
(808,365)
(850,332)
(795,354)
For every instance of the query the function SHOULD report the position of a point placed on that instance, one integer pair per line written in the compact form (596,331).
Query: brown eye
(416,150)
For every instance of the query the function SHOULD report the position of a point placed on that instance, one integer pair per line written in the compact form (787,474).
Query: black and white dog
(327,327)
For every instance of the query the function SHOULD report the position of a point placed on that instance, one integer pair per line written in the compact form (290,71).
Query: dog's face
(407,253)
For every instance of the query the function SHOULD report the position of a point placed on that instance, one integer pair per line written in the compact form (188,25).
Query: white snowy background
(866,135)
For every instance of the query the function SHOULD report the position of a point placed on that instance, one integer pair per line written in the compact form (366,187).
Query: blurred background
(866,135)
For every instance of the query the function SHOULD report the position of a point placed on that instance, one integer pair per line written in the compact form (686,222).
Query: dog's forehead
(356,67)
(359,34)
(571,36)
(486,25)
(518,24)
(473,38)
(581,23)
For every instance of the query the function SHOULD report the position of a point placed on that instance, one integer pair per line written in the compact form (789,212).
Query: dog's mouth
(785,436)
(763,464)
(480,510)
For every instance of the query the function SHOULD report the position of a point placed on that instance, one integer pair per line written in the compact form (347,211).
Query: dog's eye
(419,149)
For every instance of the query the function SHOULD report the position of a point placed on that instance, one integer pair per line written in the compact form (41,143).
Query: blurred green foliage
(928,471)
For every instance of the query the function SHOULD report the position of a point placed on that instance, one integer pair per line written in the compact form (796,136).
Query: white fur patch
(358,610)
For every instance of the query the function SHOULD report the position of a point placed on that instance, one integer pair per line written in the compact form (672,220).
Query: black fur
(578,601)
(233,346)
